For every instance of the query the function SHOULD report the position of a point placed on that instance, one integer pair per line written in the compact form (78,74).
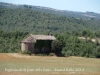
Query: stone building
(37,43)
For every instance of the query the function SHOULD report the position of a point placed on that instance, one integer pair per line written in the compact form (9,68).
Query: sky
(71,5)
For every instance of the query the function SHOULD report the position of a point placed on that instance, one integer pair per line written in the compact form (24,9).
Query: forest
(17,23)
(84,15)
(27,20)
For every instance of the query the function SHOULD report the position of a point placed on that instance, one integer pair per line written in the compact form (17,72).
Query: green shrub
(56,46)
(66,51)
(52,54)
(27,52)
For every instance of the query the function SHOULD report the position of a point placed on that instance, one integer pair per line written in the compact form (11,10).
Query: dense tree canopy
(39,22)
(11,41)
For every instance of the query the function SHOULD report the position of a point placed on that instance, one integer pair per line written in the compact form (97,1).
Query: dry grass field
(18,64)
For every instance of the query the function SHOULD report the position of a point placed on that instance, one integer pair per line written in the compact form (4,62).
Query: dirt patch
(5,56)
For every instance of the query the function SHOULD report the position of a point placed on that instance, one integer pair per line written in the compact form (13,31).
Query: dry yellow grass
(46,65)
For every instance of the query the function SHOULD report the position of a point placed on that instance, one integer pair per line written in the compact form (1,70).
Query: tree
(87,33)
(97,52)
(66,51)
(56,46)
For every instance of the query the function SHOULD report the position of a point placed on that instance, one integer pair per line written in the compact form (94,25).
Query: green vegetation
(56,46)
(26,52)
(83,15)
(16,23)
(39,22)
(10,42)
(73,46)
(67,44)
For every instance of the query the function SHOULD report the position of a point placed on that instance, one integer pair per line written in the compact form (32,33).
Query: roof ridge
(32,37)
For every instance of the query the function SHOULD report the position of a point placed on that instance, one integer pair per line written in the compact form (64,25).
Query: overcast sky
(72,5)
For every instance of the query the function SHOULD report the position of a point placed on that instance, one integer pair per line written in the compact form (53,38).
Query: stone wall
(27,46)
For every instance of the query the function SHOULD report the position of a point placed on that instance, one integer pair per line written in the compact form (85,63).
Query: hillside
(85,15)
(18,21)
(29,20)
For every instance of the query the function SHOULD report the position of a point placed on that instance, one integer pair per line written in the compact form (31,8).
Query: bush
(97,53)
(27,52)
(66,51)
(52,54)
(56,46)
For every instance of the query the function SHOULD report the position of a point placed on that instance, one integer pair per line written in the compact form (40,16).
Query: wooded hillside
(28,20)
(17,23)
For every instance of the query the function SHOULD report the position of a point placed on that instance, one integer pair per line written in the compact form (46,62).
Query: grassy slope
(91,66)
